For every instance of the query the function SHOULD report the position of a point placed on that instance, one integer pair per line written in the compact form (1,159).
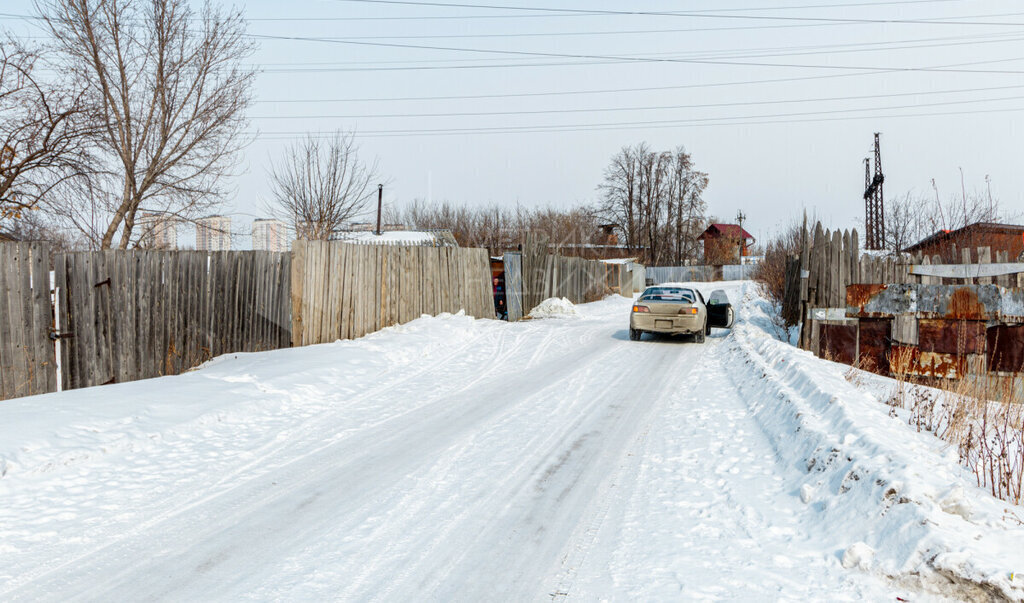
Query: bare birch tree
(167,91)
(320,183)
(41,132)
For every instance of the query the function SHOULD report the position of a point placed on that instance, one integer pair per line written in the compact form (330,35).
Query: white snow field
(453,459)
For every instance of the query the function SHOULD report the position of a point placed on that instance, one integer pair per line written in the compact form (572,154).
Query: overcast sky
(777,100)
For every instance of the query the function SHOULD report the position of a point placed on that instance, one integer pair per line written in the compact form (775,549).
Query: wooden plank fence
(26,351)
(140,314)
(549,275)
(344,291)
(128,315)
(829,261)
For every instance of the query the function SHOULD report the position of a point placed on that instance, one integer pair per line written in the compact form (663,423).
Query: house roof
(725,230)
(437,237)
(982,227)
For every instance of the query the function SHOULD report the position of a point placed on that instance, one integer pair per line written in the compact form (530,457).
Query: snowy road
(449,459)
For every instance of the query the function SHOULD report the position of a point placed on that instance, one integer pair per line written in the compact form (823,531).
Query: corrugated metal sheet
(679,274)
(514,285)
(700,274)
(739,272)
(968,302)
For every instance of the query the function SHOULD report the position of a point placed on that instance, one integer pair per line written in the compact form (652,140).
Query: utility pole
(874,201)
(380,203)
(740,217)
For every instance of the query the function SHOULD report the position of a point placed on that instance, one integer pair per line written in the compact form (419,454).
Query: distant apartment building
(269,235)
(213,233)
(157,231)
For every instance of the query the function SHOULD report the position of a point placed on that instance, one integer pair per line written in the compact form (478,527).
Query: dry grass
(982,415)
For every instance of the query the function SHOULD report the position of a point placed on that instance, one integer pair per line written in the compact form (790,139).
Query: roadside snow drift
(460,459)
(554,307)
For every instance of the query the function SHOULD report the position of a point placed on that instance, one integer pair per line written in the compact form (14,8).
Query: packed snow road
(447,459)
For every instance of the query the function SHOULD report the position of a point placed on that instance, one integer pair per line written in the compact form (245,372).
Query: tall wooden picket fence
(344,291)
(26,352)
(139,314)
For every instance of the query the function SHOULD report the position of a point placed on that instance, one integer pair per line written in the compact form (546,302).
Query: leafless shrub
(500,228)
(771,271)
(983,415)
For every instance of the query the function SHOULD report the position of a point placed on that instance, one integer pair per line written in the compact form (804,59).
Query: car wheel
(707,328)
(698,337)
(635,335)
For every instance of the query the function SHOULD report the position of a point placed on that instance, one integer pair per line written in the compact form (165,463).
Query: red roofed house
(725,244)
(949,244)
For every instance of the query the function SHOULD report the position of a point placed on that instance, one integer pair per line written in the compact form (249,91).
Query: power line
(635,59)
(696,14)
(732,54)
(718,119)
(664,107)
(550,14)
(625,125)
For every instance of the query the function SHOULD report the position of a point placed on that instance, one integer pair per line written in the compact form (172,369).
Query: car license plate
(663,324)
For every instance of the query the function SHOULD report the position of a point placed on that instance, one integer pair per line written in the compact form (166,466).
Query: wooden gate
(26,350)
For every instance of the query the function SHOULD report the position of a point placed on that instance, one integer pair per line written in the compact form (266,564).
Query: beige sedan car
(677,310)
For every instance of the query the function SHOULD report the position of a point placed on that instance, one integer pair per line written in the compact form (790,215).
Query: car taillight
(688,311)
(641,309)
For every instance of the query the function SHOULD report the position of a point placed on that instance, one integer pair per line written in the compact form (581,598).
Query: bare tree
(501,229)
(657,199)
(41,132)
(167,91)
(914,217)
(320,183)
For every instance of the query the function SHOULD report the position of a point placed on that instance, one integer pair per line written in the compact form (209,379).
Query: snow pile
(554,307)
(895,502)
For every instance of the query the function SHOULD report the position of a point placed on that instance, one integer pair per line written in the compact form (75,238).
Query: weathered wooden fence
(830,265)
(141,314)
(120,316)
(344,291)
(549,275)
(26,351)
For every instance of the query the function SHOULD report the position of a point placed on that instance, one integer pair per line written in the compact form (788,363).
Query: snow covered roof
(401,237)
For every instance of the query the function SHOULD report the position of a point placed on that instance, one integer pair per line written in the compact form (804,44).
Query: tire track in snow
(259,493)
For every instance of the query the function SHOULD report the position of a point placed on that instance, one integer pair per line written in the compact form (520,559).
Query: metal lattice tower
(874,210)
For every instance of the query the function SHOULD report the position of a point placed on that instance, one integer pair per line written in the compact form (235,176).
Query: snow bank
(554,307)
(895,501)
(41,434)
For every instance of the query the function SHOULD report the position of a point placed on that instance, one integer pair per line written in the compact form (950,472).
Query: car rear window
(668,294)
